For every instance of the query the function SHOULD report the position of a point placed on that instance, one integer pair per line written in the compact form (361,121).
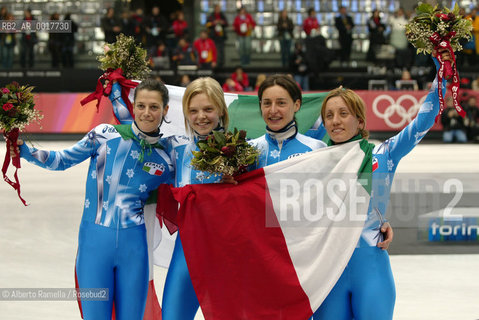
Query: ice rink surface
(38,243)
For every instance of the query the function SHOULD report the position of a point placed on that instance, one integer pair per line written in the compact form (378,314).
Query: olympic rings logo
(396,107)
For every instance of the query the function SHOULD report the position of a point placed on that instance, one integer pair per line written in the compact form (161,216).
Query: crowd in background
(171,45)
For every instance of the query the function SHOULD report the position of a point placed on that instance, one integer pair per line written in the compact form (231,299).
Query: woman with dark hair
(279,100)
(127,162)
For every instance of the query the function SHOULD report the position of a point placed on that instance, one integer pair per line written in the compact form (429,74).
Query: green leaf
(201,144)
(215,160)
(220,138)
(424,8)
(212,150)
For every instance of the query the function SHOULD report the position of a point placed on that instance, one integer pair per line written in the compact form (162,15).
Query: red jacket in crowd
(205,50)
(232,86)
(309,24)
(244,82)
(244,25)
(179,27)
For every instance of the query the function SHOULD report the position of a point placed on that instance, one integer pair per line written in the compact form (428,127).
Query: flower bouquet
(123,61)
(17,111)
(224,153)
(433,29)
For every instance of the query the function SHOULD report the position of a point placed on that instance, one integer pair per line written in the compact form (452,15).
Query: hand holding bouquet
(224,153)
(123,61)
(433,29)
(17,111)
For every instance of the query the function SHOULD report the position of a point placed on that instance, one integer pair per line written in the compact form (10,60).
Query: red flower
(7,106)
(443,16)
(5,90)
(228,151)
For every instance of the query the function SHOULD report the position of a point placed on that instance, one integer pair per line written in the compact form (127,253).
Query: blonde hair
(215,94)
(355,105)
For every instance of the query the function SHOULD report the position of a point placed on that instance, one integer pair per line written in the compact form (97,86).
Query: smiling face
(339,121)
(277,107)
(202,116)
(149,110)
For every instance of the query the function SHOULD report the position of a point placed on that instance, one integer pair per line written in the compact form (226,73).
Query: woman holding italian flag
(366,287)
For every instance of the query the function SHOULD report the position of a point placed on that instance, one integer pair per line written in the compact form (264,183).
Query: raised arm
(119,106)
(402,143)
(61,160)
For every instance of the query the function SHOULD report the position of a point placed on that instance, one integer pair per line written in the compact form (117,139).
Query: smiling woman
(150,105)
(280,98)
(126,164)
(366,289)
(204,109)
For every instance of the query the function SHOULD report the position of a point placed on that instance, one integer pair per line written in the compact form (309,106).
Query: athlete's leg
(131,274)
(94,267)
(373,289)
(179,298)
(337,305)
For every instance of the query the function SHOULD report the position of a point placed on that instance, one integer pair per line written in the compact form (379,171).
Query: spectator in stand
(259,80)
(311,24)
(110,25)
(28,41)
(217,24)
(398,39)
(8,40)
(55,43)
(344,23)
(232,86)
(161,56)
(406,76)
(376,35)
(241,77)
(300,66)
(68,44)
(244,26)
(184,54)
(285,32)
(205,51)
(126,24)
(156,27)
(138,24)
(179,27)
(472,119)
(454,128)
(184,81)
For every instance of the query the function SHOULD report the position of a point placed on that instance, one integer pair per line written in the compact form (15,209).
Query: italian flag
(273,246)
(153,168)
